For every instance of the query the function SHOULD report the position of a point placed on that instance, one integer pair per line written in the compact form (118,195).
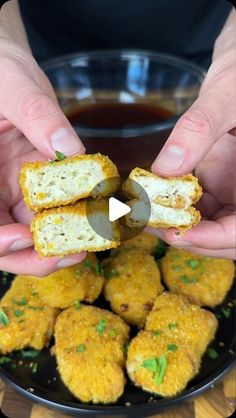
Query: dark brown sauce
(117,115)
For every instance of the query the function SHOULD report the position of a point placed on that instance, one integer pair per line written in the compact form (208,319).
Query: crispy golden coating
(90,353)
(174,316)
(160,366)
(30,321)
(132,284)
(143,241)
(64,287)
(70,229)
(204,281)
(50,184)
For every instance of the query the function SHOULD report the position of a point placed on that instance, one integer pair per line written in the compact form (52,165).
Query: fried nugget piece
(90,353)
(132,284)
(203,280)
(170,199)
(80,282)
(158,365)
(50,184)
(143,241)
(72,229)
(175,316)
(29,322)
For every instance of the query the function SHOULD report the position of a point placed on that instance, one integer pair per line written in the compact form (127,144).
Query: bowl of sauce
(124,103)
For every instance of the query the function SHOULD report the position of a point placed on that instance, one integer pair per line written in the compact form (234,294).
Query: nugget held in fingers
(170,199)
(25,320)
(90,354)
(203,280)
(51,184)
(132,284)
(67,230)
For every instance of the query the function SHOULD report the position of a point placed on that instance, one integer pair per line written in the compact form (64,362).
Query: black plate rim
(153,407)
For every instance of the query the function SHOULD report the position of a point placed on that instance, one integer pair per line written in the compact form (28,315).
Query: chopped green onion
(98,268)
(112,333)
(60,156)
(80,348)
(29,353)
(36,308)
(4,320)
(172,326)
(77,305)
(87,264)
(101,326)
(18,313)
(193,264)
(212,353)
(162,365)
(21,302)
(151,364)
(34,367)
(226,312)
(156,333)
(34,293)
(172,347)
(160,249)
(187,280)
(177,268)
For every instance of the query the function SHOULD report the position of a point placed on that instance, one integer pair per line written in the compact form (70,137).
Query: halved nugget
(176,192)
(203,280)
(50,184)
(132,284)
(168,200)
(26,321)
(80,282)
(71,229)
(90,353)
(174,316)
(158,365)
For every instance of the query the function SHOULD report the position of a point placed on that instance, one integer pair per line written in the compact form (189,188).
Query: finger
(225,253)
(211,235)
(211,116)
(28,262)
(35,113)
(14,237)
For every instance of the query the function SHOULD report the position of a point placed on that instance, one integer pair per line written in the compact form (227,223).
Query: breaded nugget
(170,199)
(90,353)
(203,280)
(175,192)
(64,287)
(143,241)
(132,284)
(51,184)
(29,322)
(158,365)
(71,229)
(175,316)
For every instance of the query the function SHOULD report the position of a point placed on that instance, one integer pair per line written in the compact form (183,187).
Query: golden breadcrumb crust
(108,167)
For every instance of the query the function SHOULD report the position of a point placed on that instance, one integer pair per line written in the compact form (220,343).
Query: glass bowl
(124,103)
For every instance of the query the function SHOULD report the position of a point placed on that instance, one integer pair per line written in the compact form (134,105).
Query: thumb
(211,116)
(27,106)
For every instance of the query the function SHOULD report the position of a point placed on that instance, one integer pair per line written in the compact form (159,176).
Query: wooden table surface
(218,402)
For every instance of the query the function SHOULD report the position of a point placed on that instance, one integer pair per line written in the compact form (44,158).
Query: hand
(204,140)
(32,127)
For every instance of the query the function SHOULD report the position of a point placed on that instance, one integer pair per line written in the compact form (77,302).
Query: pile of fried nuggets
(92,345)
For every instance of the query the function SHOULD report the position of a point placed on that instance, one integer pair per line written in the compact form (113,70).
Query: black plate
(46,387)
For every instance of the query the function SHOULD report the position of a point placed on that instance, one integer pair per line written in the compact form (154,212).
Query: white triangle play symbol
(117,209)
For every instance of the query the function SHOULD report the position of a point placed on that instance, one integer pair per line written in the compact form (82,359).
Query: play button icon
(117,209)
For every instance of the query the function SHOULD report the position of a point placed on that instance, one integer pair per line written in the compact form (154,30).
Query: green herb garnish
(160,249)
(87,264)
(172,347)
(29,353)
(18,313)
(77,305)
(4,320)
(112,333)
(34,293)
(98,268)
(81,348)
(212,353)
(186,280)
(34,367)
(101,326)
(60,156)
(193,264)
(157,366)
(172,326)
(156,333)
(21,302)
(177,268)
(226,312)
(111,273)
(36,308)
(4,360)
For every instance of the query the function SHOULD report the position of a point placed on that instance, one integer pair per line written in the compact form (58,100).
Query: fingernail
(170,159)
(66,262)
(21,244)
(67,143)
(181,243)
